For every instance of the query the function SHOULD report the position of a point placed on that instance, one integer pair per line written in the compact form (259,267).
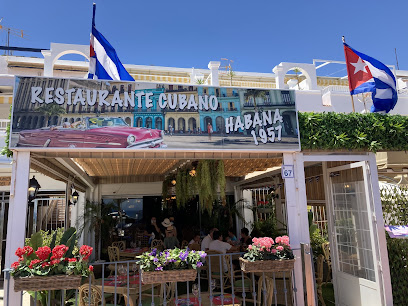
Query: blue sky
(257,35)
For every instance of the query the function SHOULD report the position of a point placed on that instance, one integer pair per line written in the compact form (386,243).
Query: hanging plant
(179,189)
(191,185)
(221,180)
(165,188)
(204,186)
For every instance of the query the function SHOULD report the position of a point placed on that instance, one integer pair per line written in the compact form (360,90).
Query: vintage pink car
(94,132)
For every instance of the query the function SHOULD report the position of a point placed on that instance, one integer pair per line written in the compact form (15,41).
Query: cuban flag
(366,74)
(104,62)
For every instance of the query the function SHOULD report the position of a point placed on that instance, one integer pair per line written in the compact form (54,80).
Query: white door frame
(383,264)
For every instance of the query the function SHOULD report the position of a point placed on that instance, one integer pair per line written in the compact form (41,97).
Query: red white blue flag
(104,62)
(366,74)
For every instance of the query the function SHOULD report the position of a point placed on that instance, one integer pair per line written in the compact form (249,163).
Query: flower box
(169,276)
(42,283)
(283,265)
(264,210)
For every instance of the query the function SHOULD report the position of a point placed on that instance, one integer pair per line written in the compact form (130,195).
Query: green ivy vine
(368,132)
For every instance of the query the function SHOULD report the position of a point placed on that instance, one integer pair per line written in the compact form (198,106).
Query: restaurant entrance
(256,190)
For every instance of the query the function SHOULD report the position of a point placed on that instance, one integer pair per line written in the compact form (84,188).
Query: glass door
(354,247)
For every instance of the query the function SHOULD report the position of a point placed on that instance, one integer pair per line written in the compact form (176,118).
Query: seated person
(195,240)
(171,241)
(207,239)
(218,245)
(231,237)
(245,238)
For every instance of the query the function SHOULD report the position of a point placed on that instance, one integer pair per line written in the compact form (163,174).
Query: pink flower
(91,268)
(274,251)
(279,248)
(250,247)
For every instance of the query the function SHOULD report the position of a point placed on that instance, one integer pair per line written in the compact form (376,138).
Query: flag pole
(345,55)
(93,14)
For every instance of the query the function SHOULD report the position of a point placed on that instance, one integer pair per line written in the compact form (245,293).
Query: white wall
(135,189)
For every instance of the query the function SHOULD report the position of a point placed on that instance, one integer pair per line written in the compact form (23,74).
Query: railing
(219,282)
(335,88)
(3,124)
(247,84)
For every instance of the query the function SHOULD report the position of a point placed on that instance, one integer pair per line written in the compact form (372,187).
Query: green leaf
(67,235)
(54,237)
(70,244)
(36,241)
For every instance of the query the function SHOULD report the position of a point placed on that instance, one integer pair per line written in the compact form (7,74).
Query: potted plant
(267,255)
(173,265)
(55,267)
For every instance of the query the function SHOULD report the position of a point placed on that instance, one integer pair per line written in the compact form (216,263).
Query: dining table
(119,285)
(182,300)
(132,252)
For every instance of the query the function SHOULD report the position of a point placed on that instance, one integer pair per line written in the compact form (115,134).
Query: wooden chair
(184,244)
(269,291)
(319,278)
(326,252)
(91,297)
(218,271)
(121,245)
(157,244)
(113,253)
(195,247)
(159,296)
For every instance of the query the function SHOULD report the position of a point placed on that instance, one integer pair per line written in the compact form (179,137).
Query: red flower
(85,251)
(91,268)
(55,262)
(59,251)
(28,250)
(20,252)
(14,265)
(43,252)
(34,262)
(45,264)
(72,260)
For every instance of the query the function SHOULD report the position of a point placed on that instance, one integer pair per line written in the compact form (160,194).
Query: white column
(48,63)
(382,241)
(298,224)
(213,66)
(17,216)
(279,78)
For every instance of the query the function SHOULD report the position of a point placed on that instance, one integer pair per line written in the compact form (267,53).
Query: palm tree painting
(50,110)
(255,93)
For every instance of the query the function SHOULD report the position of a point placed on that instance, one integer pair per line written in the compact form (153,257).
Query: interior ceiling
(132,167)
(160,167)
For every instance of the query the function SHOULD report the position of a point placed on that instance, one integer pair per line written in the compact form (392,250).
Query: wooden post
(352,103)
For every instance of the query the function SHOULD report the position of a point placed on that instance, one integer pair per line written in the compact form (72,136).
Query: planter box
(40,283)
(284,265)
(264,210)
(170,276)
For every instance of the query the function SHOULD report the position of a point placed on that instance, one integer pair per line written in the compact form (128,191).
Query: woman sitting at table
(170,242)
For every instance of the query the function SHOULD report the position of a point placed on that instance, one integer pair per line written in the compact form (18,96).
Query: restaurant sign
(81,113)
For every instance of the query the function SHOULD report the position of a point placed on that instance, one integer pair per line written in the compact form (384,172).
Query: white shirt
(220,246)
(206,242)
